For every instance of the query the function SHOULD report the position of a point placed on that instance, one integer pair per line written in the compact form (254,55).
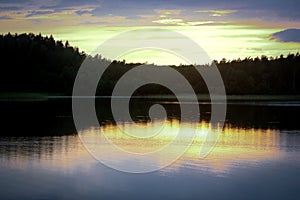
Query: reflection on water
(257,156)
(235,146)
(58,153)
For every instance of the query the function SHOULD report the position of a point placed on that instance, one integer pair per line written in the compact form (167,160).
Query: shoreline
(34,97)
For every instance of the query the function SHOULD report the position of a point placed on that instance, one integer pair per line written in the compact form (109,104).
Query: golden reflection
(234,147)
(237,146)
(233,144)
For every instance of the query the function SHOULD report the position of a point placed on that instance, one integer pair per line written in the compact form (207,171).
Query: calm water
(257,155)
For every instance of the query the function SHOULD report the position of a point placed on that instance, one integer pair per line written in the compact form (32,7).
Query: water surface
(256,156)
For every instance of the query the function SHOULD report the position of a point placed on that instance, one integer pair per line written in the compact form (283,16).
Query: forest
(39,64)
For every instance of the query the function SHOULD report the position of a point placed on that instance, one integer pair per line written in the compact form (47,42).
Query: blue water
(257,162)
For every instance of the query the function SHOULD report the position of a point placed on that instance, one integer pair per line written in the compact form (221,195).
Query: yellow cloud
(168,21)
(217,13)
(181,22)
(195,23)
(168,12)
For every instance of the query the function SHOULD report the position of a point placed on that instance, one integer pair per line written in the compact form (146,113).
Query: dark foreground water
(257,156)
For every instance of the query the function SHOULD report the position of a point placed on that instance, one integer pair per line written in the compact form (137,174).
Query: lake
(257,155)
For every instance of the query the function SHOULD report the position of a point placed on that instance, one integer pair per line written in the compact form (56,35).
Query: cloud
(139,12)
(288,35)
(181,22)
(39,12)
(168,12)
(5,17)
(217,13)
(198,23)
(84,11)
(7,8)
(168,21)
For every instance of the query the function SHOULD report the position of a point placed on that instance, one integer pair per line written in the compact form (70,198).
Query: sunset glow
(230,31)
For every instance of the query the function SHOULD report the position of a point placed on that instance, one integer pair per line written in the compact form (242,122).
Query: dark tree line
(279,75)
(33,63)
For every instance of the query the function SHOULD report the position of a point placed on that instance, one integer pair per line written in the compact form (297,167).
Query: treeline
(33,63)
(264,75)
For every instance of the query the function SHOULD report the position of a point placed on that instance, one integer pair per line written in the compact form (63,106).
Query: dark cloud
(5,17)
(288,35)
(33,13)
(8,8)
(14,1)
(66,4)
(268,10)
(82,12)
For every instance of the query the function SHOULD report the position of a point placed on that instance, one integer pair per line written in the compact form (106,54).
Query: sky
(224,29)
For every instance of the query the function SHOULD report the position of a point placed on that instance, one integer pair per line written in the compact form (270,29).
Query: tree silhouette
(41,64)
